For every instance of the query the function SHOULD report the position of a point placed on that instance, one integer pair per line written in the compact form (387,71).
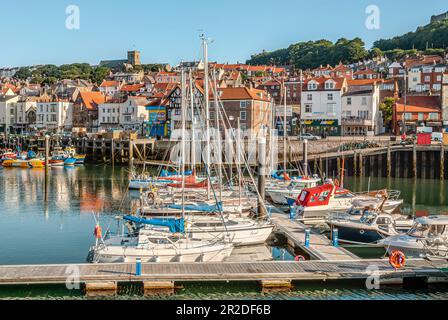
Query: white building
(8,112)
(322,105)
(109,88)
(128,115)
(360,110)
(25,115)
(54,115)
(109,115)
(133,113)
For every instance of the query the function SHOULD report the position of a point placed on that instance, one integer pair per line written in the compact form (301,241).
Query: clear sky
(34,32)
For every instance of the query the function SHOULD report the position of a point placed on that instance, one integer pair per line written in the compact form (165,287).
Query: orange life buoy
(98,232)
(397,259)
(299,258)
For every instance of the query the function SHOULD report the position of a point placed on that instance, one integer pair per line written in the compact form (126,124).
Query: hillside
(430,39)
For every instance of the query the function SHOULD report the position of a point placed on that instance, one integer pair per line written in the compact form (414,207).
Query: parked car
(437,136)
(309,136)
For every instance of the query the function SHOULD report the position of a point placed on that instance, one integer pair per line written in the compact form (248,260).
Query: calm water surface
(53,223)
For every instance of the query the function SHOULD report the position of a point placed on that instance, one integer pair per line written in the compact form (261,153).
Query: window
(364,101)
(362,114)
(427,78)
(349,101)
(408,116)
(433,116)
(309,97)
(330,97)
(421,117)
(308,108)
(312,86)
(437,87)
(331,109)
(243,115)
(329,85)
(439,78)
(244,104)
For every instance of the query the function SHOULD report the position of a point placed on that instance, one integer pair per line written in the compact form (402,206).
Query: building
(440,17)
(133,113)
(133,59)
(109,88)
(109,115)
(321,110)
(26,115)
(156,125)
(417,111)
(8,105)
(167,77)
(54,115)
(85,111)
(445,100)
(360,109)
(426,78)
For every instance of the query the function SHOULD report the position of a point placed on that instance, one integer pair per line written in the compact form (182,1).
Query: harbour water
(50,223)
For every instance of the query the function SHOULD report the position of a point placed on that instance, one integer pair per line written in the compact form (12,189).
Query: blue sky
(168,31)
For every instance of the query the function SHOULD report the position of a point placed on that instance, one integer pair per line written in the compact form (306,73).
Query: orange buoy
(397,259)
(98,232)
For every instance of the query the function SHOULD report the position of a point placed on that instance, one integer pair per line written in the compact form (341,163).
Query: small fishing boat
(427,238)
(56,162)
(80,158)
(369,228)
(69,161)
(16,163)
(8,154)
(37,163)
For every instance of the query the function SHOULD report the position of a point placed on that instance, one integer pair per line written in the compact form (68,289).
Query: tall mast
(284,135)
(218,131)
(207,111)
(238,148)
(193,124)
(183,100)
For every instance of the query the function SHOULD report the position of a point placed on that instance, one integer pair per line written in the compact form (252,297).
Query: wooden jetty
(222,271)
(320,247)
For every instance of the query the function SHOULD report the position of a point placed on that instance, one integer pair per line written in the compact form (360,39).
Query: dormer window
(329,85)
(312,86)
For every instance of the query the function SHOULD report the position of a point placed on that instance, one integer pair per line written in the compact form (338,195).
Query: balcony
(356,121)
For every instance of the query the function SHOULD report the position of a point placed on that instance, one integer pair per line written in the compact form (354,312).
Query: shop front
(322,127)
(156,125)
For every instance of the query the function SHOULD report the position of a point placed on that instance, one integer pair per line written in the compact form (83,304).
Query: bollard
(138,267)
(292,212)
(335,238)
(307,237)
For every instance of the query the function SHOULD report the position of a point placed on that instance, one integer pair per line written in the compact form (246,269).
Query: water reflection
(51,221)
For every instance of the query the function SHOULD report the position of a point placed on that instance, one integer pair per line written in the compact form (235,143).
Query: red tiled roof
(400,108)
(132,87)
(105,84)
(91,99)
(421,101)
(363,82)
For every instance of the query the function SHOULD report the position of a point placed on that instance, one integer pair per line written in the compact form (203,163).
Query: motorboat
(370,227)
(158,247)
(314,204)
(427,238)
(286,193)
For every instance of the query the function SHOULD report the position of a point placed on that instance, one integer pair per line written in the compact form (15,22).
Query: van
(437,136)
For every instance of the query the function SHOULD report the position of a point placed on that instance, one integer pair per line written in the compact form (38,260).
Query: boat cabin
(321,195)
(430,227)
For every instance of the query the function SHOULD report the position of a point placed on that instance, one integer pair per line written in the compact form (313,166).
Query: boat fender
(397,259)
(299,258)
(98,232)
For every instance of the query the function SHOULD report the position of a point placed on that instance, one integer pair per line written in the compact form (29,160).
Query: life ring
(299,258)
(151,198)
(397,259)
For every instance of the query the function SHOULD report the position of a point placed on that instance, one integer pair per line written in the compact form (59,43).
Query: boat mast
(183,84)
(218,132)
(193,124)
(207,112)
(238,148)
(284,136)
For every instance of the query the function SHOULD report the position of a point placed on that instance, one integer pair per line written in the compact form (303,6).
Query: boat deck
(225,271)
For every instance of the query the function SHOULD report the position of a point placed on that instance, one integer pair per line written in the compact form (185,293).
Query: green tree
(386,107)
(23,73)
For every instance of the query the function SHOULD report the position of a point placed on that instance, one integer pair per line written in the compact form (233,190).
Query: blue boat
(70,162)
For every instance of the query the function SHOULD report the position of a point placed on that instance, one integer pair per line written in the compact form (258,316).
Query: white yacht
(237,230)
(428,237)
(159,247)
